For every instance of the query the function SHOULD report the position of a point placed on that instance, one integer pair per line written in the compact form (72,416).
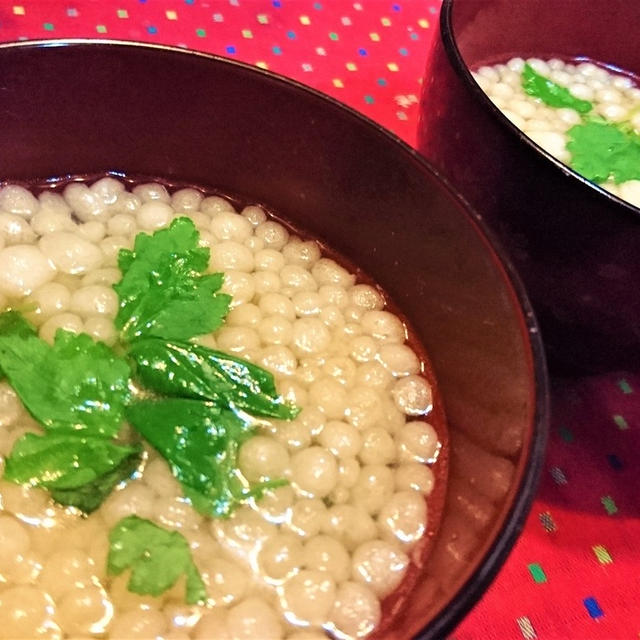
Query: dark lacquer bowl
(85,107)
(576,246)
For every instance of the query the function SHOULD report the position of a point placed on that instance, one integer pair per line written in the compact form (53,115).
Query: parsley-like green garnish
(163,291)
(157,559)
(603,150)
(200,442)
(78,470)
(191,371)
(552,94)
(75,385)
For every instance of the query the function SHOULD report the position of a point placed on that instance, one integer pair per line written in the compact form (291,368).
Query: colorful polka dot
(247,33)
(385,22)
(345,21)
(351,66)
(305,20)
(201,33)
(423,23)
(171,15)
(547,522)
(526,628)
(72,12)
(18,10)
(276,50)
(48,26)
(392,66)
(537,573)
(592,607)
(100,28)
(374,36)
(321,51)
(262,64)
(338,83)
(620,422)
(625,387)
(333,36)
(602,554)
(152,30)
(123,14)
(369,99)
(609,505)
(262,18)
(218,17)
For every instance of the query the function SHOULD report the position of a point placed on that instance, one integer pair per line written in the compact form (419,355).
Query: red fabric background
(575,572)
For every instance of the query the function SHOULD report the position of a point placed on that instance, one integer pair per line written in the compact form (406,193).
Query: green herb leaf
(163,292)
(200,441)
(538,86)
(79,471)
(157,558)
(76,384)
(602,150)
(187,370)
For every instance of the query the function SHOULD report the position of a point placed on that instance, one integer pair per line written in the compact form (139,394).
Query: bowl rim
(530,467)
(464,73)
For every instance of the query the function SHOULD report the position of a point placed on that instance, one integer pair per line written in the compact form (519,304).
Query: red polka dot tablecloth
(575,572)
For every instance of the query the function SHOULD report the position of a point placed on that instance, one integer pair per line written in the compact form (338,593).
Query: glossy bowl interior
(82,107)
(576,246)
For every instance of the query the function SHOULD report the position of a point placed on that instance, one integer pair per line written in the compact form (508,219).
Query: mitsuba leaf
(163,291)
(75,385)
(157,559)
(77,470)
(538,86)
(200,442)
(603,150)
(192,371)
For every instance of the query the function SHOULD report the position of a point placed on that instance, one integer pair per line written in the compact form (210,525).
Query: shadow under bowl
(87,107)
(575,245)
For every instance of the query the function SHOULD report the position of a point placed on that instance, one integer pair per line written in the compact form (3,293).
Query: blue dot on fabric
(317,6)
(362,52)
(414,36)
(230,49)
(382,82)
(277,50)
(403,52)
(291,35)
(396,7)
(277,4)
(369,99)
(151,29)
(593,608)
(615,462)
(189,1)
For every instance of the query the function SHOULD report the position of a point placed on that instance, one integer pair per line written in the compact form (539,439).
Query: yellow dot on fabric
(351,66)
(385,22)
(246,33)
(100,28)
(18,10)
(122,13)
(424,23)
(338,83)
(171,15)
(262,65)
(305,20)
(375,37)
(392,66)
(262,18)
